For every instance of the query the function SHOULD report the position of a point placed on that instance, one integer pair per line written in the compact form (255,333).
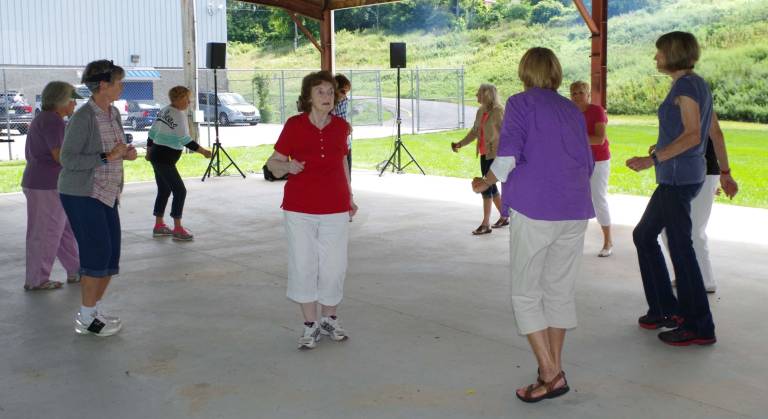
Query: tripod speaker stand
(215,60)
(397,60)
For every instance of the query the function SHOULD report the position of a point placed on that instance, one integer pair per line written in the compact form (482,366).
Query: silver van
(233,109)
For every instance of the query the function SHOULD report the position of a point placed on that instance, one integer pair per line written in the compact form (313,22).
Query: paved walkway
(209,334)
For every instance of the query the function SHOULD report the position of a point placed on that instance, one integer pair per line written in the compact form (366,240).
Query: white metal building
(74,32)
(41,39)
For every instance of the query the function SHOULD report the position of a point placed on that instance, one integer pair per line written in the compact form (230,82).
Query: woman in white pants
(718,176)
(544,164)
(596,120)
(318,206)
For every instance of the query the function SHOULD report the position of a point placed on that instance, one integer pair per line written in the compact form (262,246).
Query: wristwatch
(654,158)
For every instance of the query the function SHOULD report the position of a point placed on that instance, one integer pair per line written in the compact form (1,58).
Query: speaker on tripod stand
(216,58)
(397,59)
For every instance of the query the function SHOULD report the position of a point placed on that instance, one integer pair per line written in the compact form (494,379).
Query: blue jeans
(670,208)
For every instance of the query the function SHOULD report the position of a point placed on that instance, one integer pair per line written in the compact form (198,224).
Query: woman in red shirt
(318,206)
(596,120)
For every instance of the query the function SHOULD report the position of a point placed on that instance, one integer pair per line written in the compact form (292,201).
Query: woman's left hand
(640,163)
(130,153)
(479,185)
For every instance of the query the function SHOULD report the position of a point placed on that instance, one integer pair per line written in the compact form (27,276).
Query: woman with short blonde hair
(544,163)
(486,131)
(596,120)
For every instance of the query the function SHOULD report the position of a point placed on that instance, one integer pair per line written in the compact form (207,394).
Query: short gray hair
(56,94)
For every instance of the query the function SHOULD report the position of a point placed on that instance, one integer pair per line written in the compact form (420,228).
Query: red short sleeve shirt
(321,188)
(596,115)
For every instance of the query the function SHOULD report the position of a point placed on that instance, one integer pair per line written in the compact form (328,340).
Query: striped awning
(142,74)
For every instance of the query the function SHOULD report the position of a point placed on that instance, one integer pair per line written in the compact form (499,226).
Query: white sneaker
(97,325)
(102,313)
(332,328)
(310,337)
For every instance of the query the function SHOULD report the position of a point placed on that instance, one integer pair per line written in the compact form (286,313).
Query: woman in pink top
(49,234)
(596,119)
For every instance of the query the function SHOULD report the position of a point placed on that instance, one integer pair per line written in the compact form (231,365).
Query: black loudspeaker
(397,54)
(216,55)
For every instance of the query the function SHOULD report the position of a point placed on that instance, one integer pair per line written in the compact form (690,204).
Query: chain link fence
(431,99)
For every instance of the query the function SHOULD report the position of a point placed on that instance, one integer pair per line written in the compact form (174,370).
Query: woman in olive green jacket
(486,131)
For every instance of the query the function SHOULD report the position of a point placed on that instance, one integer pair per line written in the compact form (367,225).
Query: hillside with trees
(487,39)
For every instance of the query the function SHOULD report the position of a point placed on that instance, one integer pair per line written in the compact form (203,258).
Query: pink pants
(48,236)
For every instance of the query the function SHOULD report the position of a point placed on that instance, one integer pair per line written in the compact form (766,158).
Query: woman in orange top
(486,130)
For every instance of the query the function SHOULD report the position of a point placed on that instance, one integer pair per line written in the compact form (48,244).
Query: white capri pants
(701,208)
(317,256)
(599,185)
(545,259)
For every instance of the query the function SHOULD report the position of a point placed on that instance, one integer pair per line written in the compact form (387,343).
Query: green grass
(629,136)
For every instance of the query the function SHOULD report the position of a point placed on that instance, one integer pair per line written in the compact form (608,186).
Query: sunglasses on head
(105,76)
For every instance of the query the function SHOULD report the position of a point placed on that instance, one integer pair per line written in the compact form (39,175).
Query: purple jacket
(546,134)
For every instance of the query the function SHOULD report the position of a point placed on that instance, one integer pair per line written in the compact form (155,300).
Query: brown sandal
(502,222)
(551,392)
(483,229)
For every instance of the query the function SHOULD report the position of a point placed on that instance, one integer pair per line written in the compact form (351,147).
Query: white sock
(87,313)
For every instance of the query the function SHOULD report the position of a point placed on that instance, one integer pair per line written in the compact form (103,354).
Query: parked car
(15,112)
(233,108)
(142,113)
(120,104)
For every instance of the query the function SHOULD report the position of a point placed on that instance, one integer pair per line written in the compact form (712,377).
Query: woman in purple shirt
(48,232)
(545,164)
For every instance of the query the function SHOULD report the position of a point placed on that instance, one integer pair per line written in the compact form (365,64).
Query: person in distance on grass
(685,121)
(596,120)
(167,137)
(544,163)
(317,204)
(486,131)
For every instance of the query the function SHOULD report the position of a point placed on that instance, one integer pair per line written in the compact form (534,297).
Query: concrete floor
(209,333)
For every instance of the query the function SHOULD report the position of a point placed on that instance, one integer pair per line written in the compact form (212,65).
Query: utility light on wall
(213,7)
(135,58)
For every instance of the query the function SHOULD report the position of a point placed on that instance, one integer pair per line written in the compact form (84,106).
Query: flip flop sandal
(73,279)
(503,222)
(483,229)
(45,286)
(551,392)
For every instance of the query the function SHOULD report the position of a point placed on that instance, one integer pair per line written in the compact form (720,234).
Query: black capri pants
(485,166)
(169,182)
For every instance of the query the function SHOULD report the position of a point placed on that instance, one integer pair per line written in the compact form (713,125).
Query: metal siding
(74,32)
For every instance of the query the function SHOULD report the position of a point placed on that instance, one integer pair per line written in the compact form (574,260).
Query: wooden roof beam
(305,31)
(302,7)
(587,17)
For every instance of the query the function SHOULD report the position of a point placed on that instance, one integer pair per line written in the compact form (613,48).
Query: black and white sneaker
(331,327)
(97,325)
(308,340)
